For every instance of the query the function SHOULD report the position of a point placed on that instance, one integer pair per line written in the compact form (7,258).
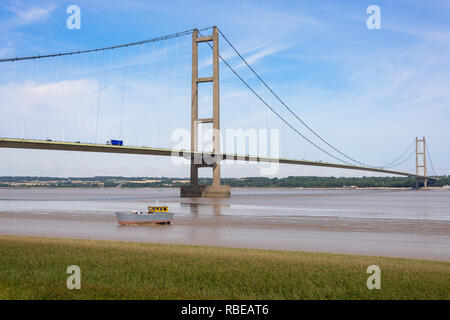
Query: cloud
(264,52)
(422,32)
(24,15)
(7,50)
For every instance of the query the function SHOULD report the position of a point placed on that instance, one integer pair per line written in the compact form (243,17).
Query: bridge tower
(197,160)
(421,161)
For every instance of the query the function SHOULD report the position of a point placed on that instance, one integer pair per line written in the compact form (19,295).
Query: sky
(368,92)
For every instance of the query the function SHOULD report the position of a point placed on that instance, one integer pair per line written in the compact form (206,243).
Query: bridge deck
(87,147)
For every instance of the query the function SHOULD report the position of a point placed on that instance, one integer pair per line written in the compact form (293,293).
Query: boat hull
(125,218)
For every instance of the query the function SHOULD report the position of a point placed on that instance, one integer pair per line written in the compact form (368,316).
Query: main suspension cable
(393,163)
(170,36)
(401,162)
(291,111)
(277,114)
(429,157)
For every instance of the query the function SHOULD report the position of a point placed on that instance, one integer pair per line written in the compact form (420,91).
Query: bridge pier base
(193,191)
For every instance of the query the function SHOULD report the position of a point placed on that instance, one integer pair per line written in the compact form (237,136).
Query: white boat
(154,214)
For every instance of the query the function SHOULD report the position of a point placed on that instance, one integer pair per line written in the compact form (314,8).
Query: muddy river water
(401,223)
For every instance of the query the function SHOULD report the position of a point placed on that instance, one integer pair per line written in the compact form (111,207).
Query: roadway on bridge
(87,147)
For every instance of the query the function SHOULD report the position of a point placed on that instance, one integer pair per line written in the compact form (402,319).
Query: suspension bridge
(84,117)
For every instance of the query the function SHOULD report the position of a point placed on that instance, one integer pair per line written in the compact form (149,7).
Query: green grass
(35,268)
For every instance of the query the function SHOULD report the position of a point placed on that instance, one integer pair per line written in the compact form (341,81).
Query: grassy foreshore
(35,268)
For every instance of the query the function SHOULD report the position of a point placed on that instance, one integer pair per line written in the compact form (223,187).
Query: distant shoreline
(305,182)
(269,187)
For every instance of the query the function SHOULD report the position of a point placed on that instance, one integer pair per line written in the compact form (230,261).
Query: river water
(404,223)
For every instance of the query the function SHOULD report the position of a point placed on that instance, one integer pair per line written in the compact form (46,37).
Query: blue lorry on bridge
(115,142)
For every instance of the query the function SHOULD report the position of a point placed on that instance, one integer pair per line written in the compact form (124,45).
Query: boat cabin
(158,209)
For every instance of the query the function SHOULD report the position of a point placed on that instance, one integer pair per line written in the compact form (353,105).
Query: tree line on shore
(286,182)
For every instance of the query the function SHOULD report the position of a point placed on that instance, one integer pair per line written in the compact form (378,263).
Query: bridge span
(102,148)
